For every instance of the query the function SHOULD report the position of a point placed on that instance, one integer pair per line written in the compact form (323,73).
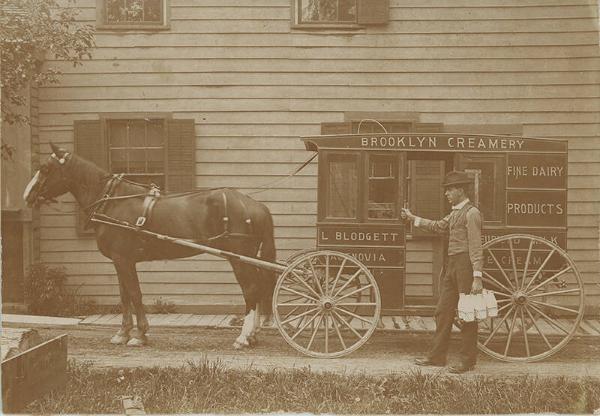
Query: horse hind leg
(122,336)
(243,275)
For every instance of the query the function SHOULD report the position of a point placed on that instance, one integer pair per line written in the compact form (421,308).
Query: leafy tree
(32,31)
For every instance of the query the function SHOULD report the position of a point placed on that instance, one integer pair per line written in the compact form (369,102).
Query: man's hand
(406,215)
(477,286)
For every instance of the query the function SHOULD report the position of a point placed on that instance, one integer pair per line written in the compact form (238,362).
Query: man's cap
(456,177)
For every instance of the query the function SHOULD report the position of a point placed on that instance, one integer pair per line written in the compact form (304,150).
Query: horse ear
(57,150)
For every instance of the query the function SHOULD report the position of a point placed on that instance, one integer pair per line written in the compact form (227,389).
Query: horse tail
(268,253)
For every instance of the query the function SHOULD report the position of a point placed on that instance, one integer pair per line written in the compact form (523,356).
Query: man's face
(455,195)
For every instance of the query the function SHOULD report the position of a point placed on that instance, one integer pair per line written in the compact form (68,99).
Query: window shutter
(344,127)
(181,155)
(91,145)
(373,12)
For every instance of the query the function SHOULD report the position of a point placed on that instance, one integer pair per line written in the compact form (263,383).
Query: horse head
(51,180)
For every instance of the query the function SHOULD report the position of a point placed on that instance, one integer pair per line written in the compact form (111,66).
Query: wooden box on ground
(28,375)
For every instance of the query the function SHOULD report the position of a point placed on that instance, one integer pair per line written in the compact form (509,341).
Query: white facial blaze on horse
(30,185)
(221,218)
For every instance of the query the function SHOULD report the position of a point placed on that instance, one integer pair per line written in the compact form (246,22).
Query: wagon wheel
(358,296)
(326,304)
(540,298)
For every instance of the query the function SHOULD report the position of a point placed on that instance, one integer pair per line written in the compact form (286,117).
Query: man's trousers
(458,278)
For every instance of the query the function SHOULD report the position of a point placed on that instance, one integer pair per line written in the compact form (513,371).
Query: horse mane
(88,178)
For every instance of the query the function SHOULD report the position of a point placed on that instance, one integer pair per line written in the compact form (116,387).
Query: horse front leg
(122,336)
(243,275)
(132,286)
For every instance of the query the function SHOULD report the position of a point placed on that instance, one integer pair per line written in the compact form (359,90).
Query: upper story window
(132,14)
(320,11)
(350,14)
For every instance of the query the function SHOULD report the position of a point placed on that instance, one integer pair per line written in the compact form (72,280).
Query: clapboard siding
(254,86)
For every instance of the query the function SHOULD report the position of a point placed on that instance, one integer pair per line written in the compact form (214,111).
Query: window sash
(134,12)
(318,8)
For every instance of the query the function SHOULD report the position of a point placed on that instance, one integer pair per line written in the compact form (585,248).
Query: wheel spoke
(339,273)
(305,296)
(347,283)
(549,305)
(537,328)
(347,324)
(307,323)
(498,284)
(524,323)
(352,314)
(360,289)
(301,280)
(337,330)
(550,320)
(303,314)
(315,277)
(495,292)
(510,333)
(326,275)
(527,263)
(540,269)
(548,280)
(501,269)
(513,262)
(557,292)
(325,317)
(497,327)
(314,333)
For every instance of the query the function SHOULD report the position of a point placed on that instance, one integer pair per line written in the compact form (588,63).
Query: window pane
(137,133)
(118,133)
(343,189)
(118,161)
(328,11)
(383,187)
(154,132)
(133,11)
(137,161)
(156,160)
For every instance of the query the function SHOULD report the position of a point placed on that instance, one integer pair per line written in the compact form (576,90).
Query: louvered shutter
(181,155)
(344,127)
(91,145)
(373,12)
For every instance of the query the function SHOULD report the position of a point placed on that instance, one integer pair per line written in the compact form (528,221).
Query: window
(136,148)
(383,187)
(489,189)
(342,186)
(132,14)
(339,13)
(148,148)
(318,11)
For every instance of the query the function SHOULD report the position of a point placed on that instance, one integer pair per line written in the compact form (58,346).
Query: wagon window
(137,149)
(383,187)
(342,187)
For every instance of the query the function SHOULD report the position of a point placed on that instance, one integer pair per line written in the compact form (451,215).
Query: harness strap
(149,201)
(225,217)
(99,205)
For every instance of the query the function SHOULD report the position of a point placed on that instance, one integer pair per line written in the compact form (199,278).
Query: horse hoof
(119,339)
(136,342)
(239,345)
(252,341)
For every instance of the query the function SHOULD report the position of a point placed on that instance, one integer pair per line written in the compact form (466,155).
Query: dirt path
(386,352)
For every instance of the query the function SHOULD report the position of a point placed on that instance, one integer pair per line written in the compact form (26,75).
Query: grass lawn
(208,387)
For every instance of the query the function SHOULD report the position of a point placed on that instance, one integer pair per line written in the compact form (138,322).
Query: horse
(222,218)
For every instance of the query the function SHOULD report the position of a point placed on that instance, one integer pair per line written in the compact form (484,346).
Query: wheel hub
(519,298)
(327,303)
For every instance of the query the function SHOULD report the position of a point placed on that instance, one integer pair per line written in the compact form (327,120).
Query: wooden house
(203,94)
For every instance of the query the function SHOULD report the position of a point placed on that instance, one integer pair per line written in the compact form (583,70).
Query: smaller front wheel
(326,304)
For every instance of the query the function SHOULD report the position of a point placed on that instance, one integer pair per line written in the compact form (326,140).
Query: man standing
(463,271)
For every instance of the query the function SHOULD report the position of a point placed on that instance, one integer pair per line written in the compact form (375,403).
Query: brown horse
(220,218)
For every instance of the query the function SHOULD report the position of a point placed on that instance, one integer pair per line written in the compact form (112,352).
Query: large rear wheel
(540,298)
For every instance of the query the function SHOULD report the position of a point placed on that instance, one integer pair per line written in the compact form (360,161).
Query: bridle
(62,161)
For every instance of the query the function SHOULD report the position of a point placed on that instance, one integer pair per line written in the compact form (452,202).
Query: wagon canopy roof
(446,142)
